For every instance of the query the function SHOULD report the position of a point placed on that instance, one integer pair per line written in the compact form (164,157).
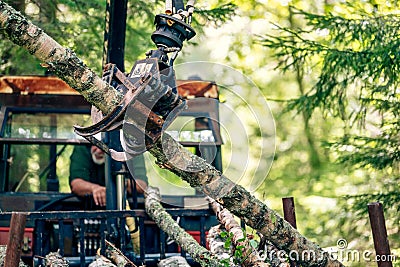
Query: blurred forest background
(328,69)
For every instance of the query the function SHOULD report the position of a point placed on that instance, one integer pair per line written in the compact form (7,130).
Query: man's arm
(82,188)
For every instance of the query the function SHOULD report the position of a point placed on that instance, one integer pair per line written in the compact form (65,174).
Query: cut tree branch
(249,254)
(169,153)
(166,223)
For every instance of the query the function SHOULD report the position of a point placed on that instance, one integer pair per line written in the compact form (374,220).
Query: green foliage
(349,51)
(358,67)
(391,200)
(340,59)
(215,15)
(227,236)
(80,26)
(351,57)
(75,24)
(368,152)
(237,255)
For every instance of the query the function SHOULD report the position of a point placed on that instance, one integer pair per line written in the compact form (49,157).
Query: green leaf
(223,234)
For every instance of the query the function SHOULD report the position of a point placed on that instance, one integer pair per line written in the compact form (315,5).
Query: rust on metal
(35,85)
(289,212)
(15,239)
(25,90)
(190,89)
(379,234)
(54,85)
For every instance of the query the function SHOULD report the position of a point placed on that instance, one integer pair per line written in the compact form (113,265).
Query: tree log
(172,228)
(169,154)
(250,255)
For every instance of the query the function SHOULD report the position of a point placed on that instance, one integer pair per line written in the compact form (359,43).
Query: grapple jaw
(150,97)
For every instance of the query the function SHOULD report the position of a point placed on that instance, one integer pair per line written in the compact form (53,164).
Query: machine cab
(37,114)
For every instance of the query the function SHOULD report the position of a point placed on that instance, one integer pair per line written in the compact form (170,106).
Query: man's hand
(99,195)
(82,188)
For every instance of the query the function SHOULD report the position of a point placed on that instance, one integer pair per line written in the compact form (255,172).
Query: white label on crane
(140,69)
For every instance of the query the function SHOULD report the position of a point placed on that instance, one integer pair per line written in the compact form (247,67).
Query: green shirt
(82,166)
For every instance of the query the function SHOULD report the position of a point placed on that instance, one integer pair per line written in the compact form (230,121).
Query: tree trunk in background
(169,154)
(48,11)
(315,160)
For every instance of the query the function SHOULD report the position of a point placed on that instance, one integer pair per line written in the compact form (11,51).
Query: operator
(87,177)
(87,173)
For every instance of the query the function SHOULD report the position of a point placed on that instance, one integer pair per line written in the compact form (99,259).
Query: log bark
(250,255)
(169,154)
(166,223)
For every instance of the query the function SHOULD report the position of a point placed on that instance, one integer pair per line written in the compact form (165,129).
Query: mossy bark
(250,256)
(169,154)
(166,223)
